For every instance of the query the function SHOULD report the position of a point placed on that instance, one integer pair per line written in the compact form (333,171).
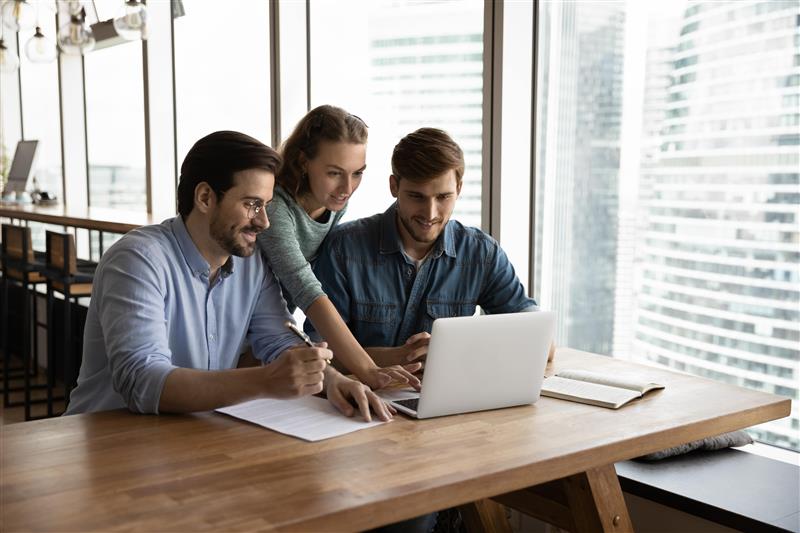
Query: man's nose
(258,218)
(430,209)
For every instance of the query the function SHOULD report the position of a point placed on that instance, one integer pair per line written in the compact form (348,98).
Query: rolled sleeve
(267,332)
(131,313)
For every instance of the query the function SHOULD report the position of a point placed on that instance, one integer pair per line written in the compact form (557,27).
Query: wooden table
(117,470)
(91,218)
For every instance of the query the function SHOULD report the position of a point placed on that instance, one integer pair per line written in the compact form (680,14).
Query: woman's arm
(349,352)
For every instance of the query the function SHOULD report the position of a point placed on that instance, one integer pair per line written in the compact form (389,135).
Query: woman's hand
(347,394)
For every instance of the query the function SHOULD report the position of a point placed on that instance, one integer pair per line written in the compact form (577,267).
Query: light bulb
(74,38)
(131,24)
(9,62)
(19,15)
(39,48)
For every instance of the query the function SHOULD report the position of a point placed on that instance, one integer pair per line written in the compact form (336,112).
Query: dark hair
(323,123)
(215,158)
(425,154)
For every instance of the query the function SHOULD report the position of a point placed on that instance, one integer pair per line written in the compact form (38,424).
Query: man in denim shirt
(392,274)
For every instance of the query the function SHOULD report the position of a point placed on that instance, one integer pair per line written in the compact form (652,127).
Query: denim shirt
(153,310)
(384,299)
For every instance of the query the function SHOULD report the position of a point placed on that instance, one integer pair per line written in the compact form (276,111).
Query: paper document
(308,418)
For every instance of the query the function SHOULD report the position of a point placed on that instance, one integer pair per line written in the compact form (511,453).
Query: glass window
(667,211)
(41,109)
(401,70)
(10,126)
(222,79)
(115,127)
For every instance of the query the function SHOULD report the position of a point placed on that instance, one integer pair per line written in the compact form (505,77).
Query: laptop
(21,169)
(480,362)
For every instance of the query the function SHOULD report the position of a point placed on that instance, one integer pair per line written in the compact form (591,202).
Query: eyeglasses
(254,207)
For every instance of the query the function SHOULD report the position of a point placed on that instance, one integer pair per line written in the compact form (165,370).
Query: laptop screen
(21,167)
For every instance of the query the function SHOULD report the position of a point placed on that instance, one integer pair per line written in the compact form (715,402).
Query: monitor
(21,167)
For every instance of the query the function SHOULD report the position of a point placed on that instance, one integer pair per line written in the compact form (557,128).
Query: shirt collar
(391,242)
(194,259)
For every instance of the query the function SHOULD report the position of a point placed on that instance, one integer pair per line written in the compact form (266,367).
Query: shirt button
(211,337)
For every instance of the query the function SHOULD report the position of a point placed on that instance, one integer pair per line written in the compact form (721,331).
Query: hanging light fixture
(9,62)
(132,24)
(39,48)
(74,38)
(18,15)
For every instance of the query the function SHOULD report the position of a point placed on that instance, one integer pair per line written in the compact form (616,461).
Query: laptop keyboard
(410,403)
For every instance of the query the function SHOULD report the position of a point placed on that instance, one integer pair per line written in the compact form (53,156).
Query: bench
(730,487)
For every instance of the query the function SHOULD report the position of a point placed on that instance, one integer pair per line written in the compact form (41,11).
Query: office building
(717,258)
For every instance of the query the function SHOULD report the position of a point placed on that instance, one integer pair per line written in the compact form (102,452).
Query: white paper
(309,418)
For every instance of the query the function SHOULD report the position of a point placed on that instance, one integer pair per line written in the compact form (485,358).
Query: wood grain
(116,470)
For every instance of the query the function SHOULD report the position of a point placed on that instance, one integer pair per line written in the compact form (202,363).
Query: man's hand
(343,392)
(298,371)
(398,364)
(380,377)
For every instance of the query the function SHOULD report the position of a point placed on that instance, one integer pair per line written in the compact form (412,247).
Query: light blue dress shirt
(153,310)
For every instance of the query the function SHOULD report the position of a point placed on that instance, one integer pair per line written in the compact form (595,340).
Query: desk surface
(94,218)
(117,470)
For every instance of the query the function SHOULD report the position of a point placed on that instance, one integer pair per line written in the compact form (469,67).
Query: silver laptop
(480,362)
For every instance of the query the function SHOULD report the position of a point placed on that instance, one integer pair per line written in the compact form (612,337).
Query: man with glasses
(174,303)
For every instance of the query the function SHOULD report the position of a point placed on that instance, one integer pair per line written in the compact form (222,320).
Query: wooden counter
(91,218)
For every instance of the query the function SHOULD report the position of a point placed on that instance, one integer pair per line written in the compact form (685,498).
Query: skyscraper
(425,73)
(718,285)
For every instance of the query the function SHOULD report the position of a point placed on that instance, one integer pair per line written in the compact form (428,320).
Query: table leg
(485,515)
(591,501)
(596,501)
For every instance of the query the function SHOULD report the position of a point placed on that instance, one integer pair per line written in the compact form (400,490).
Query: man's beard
(226,238)
(412,230)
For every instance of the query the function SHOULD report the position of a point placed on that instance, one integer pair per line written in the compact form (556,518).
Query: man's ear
(394,185)
(458,188)
(204,197)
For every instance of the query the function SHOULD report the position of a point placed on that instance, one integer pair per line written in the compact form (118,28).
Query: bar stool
(72,278)
(23,267)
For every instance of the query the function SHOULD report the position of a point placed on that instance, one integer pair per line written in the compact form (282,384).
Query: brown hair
(323,123)
(425,154)
(215,158)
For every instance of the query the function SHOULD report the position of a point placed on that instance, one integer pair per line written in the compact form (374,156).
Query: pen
(302,335)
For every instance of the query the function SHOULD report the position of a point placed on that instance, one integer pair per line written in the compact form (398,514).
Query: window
(401,69)
(222,70)
(115,127)
(40,111)
(667,224)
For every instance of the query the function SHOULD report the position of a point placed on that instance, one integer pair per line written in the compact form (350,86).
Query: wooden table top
(94,218)
(117,470)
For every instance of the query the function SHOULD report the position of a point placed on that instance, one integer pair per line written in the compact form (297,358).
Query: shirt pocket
(446,309)
(374,323)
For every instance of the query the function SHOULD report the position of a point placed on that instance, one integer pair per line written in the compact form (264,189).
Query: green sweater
(291,244)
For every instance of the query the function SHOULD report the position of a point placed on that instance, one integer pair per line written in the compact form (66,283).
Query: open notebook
(604,390)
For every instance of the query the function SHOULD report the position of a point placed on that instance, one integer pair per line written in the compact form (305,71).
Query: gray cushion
(726,440)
